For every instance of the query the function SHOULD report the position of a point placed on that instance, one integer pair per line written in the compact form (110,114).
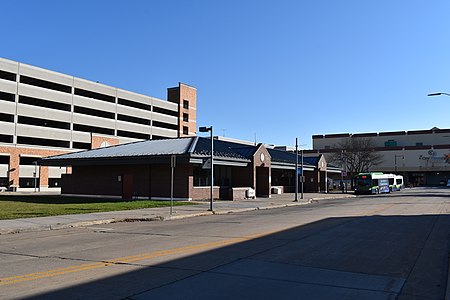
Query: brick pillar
(14,169)
(186,98)
(43,176)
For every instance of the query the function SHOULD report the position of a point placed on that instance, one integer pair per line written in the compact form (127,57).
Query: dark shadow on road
(372,257)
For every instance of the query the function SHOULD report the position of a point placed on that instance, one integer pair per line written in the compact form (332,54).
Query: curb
(38,228)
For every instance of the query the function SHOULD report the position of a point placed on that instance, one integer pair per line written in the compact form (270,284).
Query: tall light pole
(303,178)
(296,170)
(210,129)
(35,175)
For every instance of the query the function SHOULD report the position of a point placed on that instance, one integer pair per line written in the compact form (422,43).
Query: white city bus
(395,182)
(372,183)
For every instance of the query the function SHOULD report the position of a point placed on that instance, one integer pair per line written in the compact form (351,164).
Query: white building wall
(409,139)
(46,94)
(44,74)
(132,127)
(424,157)
(43,113)
(4,170)
(8,86)
(71,99)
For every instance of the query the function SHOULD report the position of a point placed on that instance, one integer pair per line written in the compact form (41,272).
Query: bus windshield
(363,182)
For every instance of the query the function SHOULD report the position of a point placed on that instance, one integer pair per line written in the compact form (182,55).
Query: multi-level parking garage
(45,113)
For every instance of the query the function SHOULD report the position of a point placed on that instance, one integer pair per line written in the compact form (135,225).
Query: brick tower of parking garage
(186,97)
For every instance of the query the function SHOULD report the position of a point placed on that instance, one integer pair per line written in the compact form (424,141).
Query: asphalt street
(392,246)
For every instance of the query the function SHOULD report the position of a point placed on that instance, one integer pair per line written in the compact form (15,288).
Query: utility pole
(210,129)
(296,170)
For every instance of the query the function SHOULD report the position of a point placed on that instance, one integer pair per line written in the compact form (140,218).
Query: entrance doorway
(262,182)
(127,186)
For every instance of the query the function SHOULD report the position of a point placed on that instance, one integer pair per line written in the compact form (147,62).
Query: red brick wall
(97,140)
(204,193)
(264,188)
(98,180)
(148,180)
(188,93)
(178,95)
(14,159)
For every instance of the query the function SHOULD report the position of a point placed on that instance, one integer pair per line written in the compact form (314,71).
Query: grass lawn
(28,206)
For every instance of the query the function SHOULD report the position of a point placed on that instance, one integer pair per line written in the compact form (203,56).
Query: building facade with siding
(422,156)
(45,113)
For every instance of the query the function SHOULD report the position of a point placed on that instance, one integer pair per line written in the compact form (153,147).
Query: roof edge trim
(193,145)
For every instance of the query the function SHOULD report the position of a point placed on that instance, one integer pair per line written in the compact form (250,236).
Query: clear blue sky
(277,69)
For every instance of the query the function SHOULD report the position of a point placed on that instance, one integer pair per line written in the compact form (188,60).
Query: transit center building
(63,133)
(421,156)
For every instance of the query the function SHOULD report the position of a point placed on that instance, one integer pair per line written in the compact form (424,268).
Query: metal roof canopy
(193,150)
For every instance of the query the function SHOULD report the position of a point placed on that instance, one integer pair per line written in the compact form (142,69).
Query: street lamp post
(302,178)
(210,129)
(296,170)
(35,175)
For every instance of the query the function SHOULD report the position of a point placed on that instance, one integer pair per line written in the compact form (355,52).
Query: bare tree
(357,155)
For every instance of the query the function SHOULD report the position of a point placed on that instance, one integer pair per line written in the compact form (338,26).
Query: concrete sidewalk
(160,213)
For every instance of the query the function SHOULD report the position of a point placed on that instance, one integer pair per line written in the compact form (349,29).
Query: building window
(46,84)
(6,118)
(4,159)
(419,144)
(80,145)
(390,143)
(222,176)
(94,95)
(28,182)
(7,75)
(42,122)
(201,177)
(135,104)
(28,160)
(87,128)
(185,104)
(7,97)
(133,119)
(165,111)
(165,125)
(44,103)
(185,130)
(4,181)
(134,135)
(94,112)
(186,117)
(54,182)
(42,142)
(6,138)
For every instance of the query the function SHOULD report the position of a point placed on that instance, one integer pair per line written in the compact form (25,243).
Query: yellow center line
(127,259)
